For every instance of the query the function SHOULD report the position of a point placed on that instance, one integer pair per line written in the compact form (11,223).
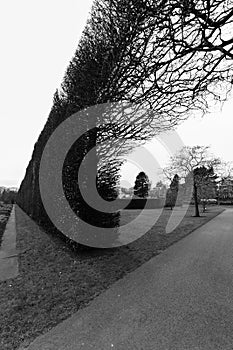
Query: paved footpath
(8,253)
(180,300)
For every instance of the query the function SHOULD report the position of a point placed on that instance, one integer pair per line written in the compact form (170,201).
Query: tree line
(161,60)
(8,195)
(204,178)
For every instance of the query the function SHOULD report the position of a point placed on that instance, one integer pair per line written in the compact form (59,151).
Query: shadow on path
(179,300)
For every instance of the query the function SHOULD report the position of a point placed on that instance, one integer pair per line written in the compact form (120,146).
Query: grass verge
(55,282)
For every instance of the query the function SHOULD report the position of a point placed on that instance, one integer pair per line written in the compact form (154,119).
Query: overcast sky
(38,40)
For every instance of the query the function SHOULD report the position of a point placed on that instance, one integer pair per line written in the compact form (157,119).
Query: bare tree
(225,170)
(165,59)
(206,185)
(169,56)
(187,163)
(225,176)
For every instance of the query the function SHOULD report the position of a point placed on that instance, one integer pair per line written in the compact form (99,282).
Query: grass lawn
(5,210)
(55,282)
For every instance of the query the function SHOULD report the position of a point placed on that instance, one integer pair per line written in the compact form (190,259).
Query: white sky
(214,130)
(38,40)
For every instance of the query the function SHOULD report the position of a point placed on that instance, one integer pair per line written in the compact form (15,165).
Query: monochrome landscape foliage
(161,62)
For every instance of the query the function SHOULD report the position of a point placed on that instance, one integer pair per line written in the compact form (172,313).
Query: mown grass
(55,281)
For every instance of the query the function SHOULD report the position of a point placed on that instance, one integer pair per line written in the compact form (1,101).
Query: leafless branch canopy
(190,158)
(170,56)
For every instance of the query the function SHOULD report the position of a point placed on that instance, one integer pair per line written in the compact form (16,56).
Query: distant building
(125,192)
(159,191)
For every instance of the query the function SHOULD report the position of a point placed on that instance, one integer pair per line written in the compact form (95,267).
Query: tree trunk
(197,214)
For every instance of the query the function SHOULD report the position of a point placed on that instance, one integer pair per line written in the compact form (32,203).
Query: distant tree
(172,192)
(124,190)
(168,58)
(225,182)
(206,183)
(159,184)
(225,190)
(160,190)
(186,161)
(175,184)
(8,195)
(142,185)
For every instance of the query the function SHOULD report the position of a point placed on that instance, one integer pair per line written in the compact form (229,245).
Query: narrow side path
(8,254)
